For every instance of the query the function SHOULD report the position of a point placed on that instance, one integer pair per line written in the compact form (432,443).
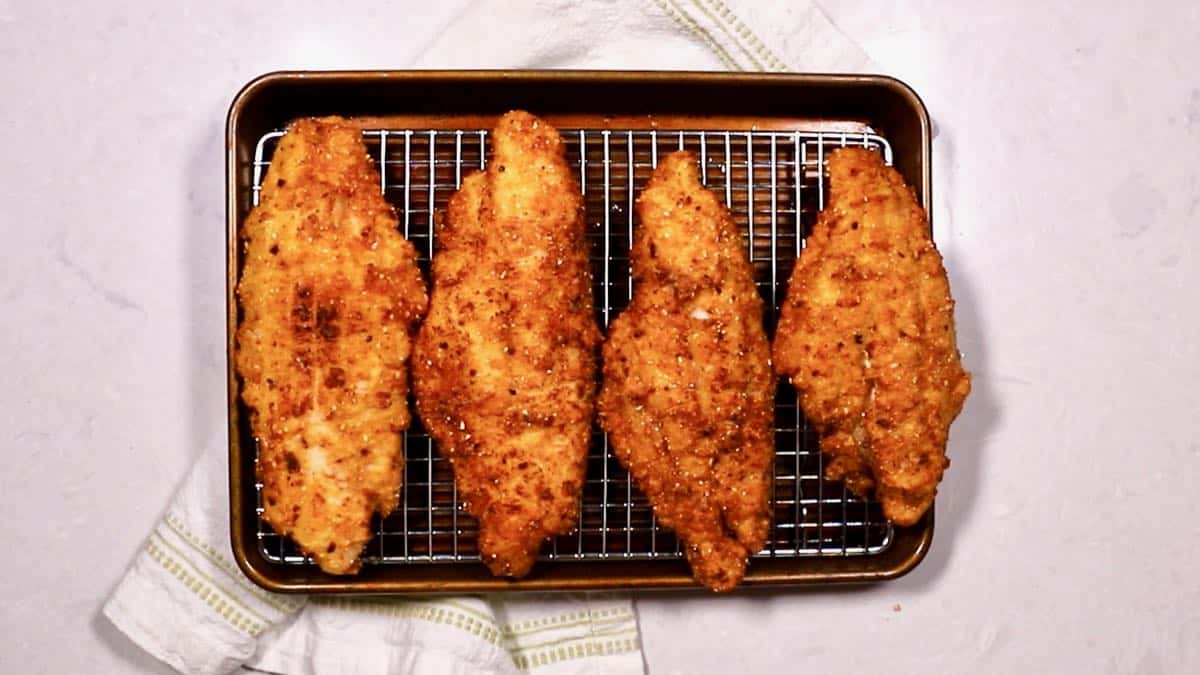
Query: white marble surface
(1068,190)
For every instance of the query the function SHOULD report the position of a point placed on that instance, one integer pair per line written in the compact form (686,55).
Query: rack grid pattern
(773,182)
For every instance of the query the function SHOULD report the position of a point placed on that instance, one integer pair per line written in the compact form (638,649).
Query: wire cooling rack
(773,182)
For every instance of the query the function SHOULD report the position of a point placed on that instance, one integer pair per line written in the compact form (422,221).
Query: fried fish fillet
(504,365)
(688,394)
(867,338)
(330,296)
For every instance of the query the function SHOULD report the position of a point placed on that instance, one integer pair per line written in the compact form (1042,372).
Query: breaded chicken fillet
(330,297)
(688,394)
(505,364)
(867,338)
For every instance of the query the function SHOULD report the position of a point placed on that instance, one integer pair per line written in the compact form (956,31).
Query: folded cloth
(186,602)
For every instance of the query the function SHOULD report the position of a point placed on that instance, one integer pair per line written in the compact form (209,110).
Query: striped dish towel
(185,601)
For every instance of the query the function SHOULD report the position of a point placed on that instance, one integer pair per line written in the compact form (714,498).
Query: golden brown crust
(866,336)
(330,295)
(688,392)
(504,366)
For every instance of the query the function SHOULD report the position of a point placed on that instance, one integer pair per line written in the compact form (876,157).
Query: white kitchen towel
(643,35)
(186,602)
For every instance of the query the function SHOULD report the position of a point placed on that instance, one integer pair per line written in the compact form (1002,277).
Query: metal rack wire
(773,183)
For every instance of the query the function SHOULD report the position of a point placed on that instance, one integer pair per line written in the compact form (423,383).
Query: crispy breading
(867,338)
(330,296)
(688,393)
(504,367)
